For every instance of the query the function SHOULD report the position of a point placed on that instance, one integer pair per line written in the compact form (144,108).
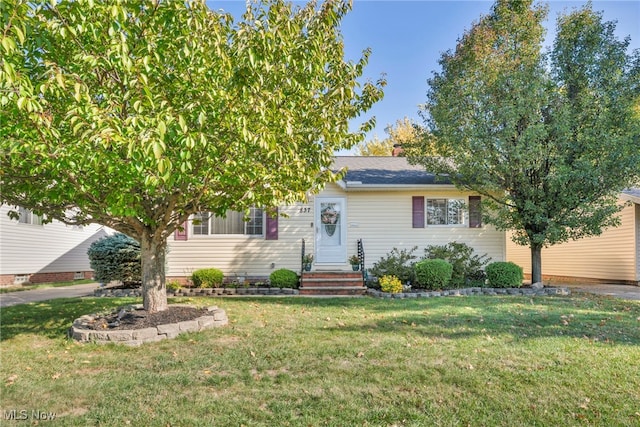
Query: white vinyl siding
(48,248)
(382,219)
(610,256)
(246,255)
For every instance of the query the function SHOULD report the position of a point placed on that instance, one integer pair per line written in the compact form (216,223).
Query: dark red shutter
(418,211)
(272,225)
(182,234)
(475,213)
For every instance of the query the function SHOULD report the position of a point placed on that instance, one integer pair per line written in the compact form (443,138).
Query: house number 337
(305,209)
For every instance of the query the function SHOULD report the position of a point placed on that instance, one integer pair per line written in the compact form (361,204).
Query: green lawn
(479,361)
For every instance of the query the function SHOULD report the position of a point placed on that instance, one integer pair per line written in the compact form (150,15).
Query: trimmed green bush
(207,278)
(116,257)
(284,278)
(397,263)
(467,266)
(504,275)
(433,273)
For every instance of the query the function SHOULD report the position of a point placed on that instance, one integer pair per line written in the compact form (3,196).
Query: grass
(479,361)
(44,285)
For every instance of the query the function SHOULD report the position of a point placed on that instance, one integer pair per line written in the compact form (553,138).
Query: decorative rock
(537,285)
(134,337)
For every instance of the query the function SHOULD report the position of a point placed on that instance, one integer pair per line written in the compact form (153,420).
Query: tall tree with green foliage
(549,139)
(138,114)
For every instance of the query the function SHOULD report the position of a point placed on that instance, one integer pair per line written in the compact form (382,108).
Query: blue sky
(408,37)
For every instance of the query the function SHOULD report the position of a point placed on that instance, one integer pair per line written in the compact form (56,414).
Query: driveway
(23,297)
(629,292)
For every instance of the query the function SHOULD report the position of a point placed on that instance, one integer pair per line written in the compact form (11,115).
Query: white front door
(331,230)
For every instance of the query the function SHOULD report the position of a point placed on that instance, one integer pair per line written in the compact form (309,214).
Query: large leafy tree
(403,132)
(550,139)
(137,114)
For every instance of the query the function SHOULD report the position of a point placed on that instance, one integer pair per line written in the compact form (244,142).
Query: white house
(612,257)
(32,252)
(382,201)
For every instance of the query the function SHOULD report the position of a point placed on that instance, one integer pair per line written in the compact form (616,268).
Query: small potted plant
(306,261)
(354,260)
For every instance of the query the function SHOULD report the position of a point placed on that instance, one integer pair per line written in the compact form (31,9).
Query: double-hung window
(445,211)
(25,216)
(234,223)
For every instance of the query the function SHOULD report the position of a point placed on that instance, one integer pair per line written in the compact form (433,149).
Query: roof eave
(350,186)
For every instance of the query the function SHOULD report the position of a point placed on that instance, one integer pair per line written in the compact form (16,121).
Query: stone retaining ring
(134,337)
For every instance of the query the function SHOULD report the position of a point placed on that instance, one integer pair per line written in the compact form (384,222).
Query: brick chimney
(397,150)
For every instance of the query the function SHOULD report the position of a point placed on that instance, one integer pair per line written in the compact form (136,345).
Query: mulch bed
(140,319)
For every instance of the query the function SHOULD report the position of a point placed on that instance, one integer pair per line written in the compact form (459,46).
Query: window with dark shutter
(475,212)
(272,225)
(181,234)
(418,211)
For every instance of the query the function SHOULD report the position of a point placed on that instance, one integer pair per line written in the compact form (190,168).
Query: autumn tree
(403,132)
(549,139)
(138,114)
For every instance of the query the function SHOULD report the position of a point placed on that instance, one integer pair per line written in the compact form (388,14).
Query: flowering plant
(354,260)
(390,284)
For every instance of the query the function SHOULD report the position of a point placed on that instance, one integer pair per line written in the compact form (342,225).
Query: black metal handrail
(361,258)
(302,262)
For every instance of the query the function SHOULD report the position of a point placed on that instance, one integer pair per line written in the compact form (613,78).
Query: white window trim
(21,211)
(193,235)
(465,213)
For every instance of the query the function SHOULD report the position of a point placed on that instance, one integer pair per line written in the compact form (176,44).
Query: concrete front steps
(332,283)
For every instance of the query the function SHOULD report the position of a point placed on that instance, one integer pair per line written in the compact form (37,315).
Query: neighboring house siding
(382,219)
(637,243)
(612,256)
(46,252)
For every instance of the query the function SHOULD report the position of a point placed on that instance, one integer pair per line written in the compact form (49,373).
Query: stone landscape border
(80,330)
(473,291)
(193,292)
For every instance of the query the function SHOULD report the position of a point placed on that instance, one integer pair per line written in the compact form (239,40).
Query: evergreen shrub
(433,274)
(116,257)
(467,266)
(284,278)
(504,275)
(207,278)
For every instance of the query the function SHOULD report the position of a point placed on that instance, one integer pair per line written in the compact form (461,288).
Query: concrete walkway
(629,292)
(23,297)
(35,295)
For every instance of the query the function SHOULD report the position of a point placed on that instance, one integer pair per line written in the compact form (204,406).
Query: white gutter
(359,186)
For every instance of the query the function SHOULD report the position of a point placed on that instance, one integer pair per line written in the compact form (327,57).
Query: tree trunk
(154,292)
(536,263)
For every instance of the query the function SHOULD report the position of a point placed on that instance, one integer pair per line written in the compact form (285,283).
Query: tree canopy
(403,132)
(549,138)
(138,114)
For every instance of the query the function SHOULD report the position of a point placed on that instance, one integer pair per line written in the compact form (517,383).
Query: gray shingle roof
(634,194)
(384,171)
